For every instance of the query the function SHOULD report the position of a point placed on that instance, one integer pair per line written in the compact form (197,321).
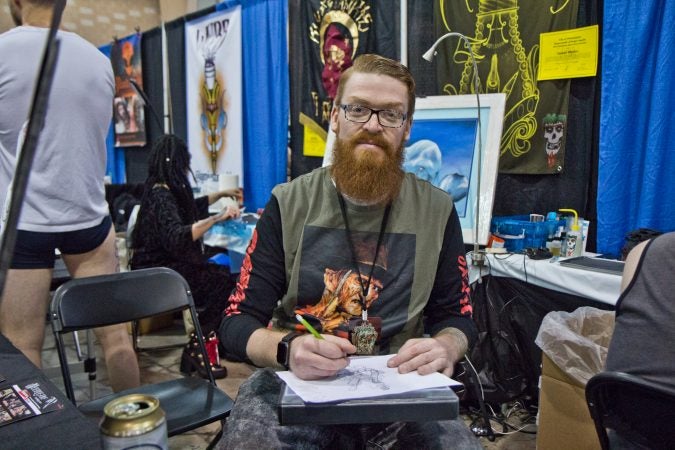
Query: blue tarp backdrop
(116,166)
(636,158)
(266,96)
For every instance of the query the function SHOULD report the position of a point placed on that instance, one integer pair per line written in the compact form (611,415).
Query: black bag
(122,206)
(634,237)
(497,355)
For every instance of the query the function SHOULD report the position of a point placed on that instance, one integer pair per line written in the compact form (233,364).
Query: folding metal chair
(640,412)
(86,303)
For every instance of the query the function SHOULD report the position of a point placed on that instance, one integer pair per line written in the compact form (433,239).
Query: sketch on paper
(356,378)
(364,377)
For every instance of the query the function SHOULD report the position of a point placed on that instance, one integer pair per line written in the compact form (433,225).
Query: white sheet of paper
(364,377)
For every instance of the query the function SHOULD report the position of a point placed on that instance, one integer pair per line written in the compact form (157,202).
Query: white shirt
(65,189)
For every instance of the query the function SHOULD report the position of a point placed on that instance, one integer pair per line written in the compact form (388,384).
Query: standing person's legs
(119,354)
(23,310)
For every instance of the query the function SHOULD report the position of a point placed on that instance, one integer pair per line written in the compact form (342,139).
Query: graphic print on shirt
(341,298)
(329,289)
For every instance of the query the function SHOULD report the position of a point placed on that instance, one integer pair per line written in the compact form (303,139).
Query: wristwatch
(284,349)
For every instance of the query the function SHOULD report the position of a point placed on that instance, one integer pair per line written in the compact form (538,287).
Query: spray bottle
(574,237)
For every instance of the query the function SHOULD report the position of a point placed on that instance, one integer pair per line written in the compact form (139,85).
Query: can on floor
(134,421)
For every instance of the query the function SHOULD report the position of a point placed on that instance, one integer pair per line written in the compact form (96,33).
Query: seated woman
(169,228)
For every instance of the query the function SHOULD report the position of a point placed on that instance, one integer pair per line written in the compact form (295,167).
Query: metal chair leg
(90,364)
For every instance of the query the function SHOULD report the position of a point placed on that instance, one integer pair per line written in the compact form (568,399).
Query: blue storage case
(519,233)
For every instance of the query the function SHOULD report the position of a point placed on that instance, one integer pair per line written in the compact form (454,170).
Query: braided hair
(169,164)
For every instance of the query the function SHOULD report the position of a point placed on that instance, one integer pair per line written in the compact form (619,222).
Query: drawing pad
(415,406)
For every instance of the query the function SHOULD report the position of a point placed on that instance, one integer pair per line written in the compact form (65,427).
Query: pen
(308,326)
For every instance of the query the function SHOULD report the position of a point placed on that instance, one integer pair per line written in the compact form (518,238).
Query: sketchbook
(367,392)
(415,406)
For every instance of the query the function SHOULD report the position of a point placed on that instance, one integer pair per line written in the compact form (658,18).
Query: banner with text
(214,86)
(325,37)
(504,37)
(125,57)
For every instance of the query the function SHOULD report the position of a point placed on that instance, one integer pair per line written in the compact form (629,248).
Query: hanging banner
(325,37)
(504,38)
(128,113)
(213,85)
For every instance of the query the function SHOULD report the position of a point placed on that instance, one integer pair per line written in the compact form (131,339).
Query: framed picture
(444,148)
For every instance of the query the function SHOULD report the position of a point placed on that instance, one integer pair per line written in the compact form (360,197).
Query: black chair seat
(179,399)
(86,303)
(639,411)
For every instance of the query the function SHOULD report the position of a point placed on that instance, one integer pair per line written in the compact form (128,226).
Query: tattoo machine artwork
(213,118)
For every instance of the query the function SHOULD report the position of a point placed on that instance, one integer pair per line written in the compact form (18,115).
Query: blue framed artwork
(441,151)
(447,146)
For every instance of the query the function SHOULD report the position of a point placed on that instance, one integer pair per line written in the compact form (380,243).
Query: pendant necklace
(364,334)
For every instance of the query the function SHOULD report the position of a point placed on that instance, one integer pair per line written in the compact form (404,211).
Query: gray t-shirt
(642,343)
(65,188)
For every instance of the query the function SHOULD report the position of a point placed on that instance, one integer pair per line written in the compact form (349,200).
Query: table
(509,303)
(234,236)
(63,429)
(597,286)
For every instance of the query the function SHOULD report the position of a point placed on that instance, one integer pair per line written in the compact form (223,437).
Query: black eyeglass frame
(377,112)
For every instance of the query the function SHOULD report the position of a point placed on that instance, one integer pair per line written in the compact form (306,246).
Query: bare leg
(23,310)
(120,357)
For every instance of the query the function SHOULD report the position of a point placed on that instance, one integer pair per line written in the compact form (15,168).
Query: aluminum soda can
(134,421)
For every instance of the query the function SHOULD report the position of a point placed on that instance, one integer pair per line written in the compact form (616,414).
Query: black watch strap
(284,349)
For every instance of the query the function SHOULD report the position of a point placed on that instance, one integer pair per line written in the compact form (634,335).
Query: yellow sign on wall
(568,54)
(314,137)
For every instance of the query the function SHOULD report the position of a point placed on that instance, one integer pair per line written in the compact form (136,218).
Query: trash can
(574,348)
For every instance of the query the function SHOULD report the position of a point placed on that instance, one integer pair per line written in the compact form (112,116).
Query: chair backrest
(638,410)
(117,298)
(84,303)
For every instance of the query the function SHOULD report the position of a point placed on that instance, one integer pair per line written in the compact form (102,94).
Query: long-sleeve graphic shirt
(300,261)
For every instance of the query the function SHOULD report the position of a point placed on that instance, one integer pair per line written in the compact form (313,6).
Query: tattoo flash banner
(504,37)
(214,84)
(128,113)
(325,37)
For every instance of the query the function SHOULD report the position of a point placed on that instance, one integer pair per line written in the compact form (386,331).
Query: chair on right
(640,412)
(85,303)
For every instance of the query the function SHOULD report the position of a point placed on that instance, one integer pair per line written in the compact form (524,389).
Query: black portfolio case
(415,406)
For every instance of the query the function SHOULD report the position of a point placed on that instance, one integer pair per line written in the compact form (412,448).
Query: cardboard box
(564,419)
(145,326)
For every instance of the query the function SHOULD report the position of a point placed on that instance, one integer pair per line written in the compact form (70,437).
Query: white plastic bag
(577,342)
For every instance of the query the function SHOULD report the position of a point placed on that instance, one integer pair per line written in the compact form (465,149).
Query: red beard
(367,177)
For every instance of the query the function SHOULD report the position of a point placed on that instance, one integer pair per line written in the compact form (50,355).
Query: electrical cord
(502,420)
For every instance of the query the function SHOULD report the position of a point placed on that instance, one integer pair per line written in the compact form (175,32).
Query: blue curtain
(636,156)
(266,96)
(116,165)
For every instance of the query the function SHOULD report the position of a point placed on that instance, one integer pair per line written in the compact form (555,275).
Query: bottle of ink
(574,238)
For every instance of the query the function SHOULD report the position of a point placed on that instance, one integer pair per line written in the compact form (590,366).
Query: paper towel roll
(228,181)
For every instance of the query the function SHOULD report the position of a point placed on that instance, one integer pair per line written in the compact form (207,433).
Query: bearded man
(363,214)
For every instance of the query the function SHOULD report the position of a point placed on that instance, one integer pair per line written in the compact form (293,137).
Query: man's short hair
(379,65)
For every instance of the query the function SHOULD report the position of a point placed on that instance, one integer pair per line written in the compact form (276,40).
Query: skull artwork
(554,132)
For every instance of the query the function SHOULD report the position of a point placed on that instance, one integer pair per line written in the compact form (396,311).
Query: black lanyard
(385,219)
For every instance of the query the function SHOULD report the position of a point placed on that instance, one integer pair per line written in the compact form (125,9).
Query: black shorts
(36,250)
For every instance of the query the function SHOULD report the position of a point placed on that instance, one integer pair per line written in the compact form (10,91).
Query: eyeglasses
(386,117)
